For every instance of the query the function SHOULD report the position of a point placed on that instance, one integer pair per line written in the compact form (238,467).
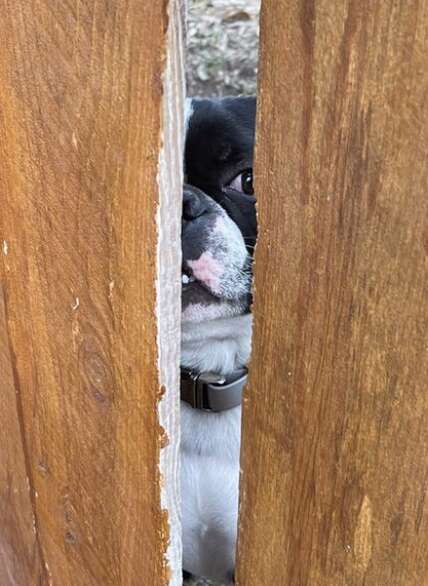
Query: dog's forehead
(219,133)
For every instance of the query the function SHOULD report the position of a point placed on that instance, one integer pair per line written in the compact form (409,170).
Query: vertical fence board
(335,431)
(169,281)
(19,553)
(82,120)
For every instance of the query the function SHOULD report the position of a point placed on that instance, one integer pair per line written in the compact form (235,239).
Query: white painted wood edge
(169,280)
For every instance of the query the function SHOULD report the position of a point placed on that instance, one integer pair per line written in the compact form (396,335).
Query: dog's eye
(243,182)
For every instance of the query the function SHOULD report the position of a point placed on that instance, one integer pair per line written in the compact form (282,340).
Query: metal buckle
(200,383)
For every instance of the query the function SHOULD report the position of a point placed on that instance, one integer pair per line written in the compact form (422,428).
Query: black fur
(219,146)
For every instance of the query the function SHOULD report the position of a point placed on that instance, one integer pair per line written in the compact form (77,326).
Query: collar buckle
(200,388)
(209,391)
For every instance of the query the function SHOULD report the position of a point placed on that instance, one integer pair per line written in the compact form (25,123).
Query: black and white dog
(218,237)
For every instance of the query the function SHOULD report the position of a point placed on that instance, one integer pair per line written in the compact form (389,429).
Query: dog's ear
(242,209)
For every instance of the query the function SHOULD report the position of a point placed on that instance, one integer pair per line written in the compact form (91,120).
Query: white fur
(188,112)
(210,445)
(198,312)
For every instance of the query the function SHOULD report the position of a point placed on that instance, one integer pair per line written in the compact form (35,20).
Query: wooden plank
(20,555)
(335,432)
(84,111)
(169,282)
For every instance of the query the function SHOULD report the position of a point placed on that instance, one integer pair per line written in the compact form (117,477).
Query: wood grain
(335,431)
(82,119)
(20,555)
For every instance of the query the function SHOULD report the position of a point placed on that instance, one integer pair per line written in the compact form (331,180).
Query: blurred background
(222,47)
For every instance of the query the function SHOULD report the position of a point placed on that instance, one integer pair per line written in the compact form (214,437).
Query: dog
(218,237)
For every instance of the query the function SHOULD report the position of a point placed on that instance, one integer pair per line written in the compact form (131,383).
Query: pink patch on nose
(207,270)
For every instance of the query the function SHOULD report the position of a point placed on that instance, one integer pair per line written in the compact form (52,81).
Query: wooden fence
(336,420)
(90,159)
(335,433)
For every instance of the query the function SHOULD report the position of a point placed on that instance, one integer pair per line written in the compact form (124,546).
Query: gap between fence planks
(83,115)
(335,430)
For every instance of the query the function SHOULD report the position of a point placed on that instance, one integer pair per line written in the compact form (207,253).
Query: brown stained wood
(81,126)
(20,556)
(335,432)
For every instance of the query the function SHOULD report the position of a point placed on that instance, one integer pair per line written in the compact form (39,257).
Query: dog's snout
(194,204)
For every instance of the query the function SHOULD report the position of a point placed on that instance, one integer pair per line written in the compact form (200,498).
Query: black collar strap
(212,392)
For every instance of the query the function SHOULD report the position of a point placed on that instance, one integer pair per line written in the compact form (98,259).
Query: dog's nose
(194,204)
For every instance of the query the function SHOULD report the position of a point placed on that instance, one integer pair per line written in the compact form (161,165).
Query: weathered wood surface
(335,450)
(82,116)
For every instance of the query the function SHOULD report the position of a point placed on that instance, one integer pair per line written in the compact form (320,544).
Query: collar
(212,392)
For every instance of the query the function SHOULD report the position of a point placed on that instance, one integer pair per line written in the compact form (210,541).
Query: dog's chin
(200,305)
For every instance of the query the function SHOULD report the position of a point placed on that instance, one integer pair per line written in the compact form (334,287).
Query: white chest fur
(210,446)
(209,487)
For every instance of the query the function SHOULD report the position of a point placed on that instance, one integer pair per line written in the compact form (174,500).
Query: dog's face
(219,218)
